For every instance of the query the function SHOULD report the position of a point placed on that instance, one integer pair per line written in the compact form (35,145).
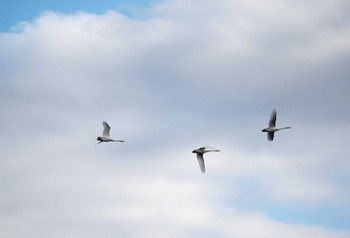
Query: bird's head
(194,151)
(264,130)
(99,138)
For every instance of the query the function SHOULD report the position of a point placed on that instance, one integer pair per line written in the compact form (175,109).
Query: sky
(14,11)
(171,76)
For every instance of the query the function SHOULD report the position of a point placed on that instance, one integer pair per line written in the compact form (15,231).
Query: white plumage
(200,157)
(105,134)
(272,126)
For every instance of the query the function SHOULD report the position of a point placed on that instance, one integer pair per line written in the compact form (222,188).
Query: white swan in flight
(272,126)
(105,134)
(200,153)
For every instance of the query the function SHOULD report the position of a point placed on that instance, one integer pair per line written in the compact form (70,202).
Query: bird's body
(272,126)
(200,157)
(105,134)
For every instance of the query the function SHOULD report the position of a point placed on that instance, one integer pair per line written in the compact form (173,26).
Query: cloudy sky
(170,76)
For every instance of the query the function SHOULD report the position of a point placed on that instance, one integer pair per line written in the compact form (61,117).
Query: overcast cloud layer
(181,75)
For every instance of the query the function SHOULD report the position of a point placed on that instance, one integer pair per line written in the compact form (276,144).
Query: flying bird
(105,134)
(200,153)
(272,126)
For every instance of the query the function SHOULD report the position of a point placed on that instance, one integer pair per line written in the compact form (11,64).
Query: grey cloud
(190,74)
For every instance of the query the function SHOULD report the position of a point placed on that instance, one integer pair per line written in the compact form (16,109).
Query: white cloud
(193,73)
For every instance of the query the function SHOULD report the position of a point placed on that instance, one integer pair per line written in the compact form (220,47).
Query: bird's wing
(106,129)
(270,136)
(272,122)
(201,161)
